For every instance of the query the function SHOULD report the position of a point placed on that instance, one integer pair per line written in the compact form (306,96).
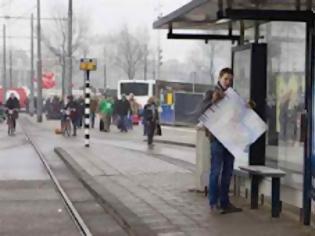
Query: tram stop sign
(88,64)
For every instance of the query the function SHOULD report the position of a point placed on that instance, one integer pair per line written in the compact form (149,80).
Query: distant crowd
(123,113)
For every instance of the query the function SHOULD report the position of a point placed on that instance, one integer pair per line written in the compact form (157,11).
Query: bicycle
(66,123)
(11,121)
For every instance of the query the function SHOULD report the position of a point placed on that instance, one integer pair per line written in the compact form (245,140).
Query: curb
(191,145)
(128,220)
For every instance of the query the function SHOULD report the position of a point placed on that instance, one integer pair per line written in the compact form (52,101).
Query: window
(138,89)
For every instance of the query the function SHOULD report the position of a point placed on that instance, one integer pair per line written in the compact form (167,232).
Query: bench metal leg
(235,186)
(275,195)
(254,192)
(238,193)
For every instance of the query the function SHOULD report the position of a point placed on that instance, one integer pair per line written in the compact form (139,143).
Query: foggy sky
(105,16)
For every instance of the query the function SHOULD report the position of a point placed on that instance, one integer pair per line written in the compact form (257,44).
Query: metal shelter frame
(220,10)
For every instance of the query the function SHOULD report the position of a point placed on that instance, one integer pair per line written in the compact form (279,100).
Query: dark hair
(70,97)
(226,70)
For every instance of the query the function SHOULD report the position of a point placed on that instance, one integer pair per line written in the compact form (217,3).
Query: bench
(258,172)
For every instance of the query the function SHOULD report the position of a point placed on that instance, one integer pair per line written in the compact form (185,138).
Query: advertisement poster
(290,90)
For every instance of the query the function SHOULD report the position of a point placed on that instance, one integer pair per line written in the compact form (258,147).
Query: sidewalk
(147,189)
(182,136)
(157,192)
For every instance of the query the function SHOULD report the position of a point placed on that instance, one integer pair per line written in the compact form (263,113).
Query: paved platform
(155,188)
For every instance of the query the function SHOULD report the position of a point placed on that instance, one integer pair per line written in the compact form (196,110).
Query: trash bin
(166,116)
(202,159)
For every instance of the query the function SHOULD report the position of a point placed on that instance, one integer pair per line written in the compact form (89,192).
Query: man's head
(226,77)
(70,98)
(151,100)
(131,96)
(12,95)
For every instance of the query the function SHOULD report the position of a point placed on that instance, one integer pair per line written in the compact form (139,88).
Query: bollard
(202,160)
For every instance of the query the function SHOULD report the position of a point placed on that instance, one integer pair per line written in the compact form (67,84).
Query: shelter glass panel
(286,99)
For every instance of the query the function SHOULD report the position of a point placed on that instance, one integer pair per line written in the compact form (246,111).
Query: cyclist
(73,107)
(13,105)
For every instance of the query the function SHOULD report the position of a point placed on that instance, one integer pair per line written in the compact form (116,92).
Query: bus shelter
(253,62)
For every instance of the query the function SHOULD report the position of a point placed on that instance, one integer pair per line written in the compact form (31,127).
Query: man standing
(123,110)
(222,161)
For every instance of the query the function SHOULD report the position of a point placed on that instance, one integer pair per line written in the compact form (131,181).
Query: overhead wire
(16,19)
(7,3)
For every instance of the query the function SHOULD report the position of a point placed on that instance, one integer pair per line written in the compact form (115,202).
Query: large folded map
(234,124)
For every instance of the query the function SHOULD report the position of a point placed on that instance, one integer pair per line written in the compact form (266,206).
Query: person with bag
(106,111)
(135,107)
(93,109)
(73,106)
(151,119)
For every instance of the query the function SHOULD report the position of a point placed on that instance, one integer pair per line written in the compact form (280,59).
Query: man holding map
(232,126)
(222,161)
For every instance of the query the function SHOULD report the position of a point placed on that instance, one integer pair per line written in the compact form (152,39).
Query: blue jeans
(129,122)
(222,162)
(123,123)
(93,119)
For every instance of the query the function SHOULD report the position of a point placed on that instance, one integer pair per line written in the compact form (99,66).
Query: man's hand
(217,96)
(251,104)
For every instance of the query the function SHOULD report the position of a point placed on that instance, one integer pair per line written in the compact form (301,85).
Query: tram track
(72,211)
(85,208)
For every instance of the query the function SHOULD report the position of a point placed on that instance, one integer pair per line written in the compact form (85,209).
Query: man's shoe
(214,210)
(230,209)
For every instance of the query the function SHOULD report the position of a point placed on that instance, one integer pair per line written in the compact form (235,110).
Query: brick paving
(157,190)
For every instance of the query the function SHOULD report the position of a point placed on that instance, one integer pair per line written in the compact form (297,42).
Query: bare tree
(129,53)
(203,58)
(210,50)
(55,39)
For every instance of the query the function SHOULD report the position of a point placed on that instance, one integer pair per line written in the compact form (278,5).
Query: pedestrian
(151,119)
(47,108)
(106,111)
(93,110)
(135,107)
(123,109)
(115,116)
(222,161)
(74,108)
(81,106)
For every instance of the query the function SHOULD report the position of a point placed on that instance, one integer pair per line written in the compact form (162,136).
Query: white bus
(141,89)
